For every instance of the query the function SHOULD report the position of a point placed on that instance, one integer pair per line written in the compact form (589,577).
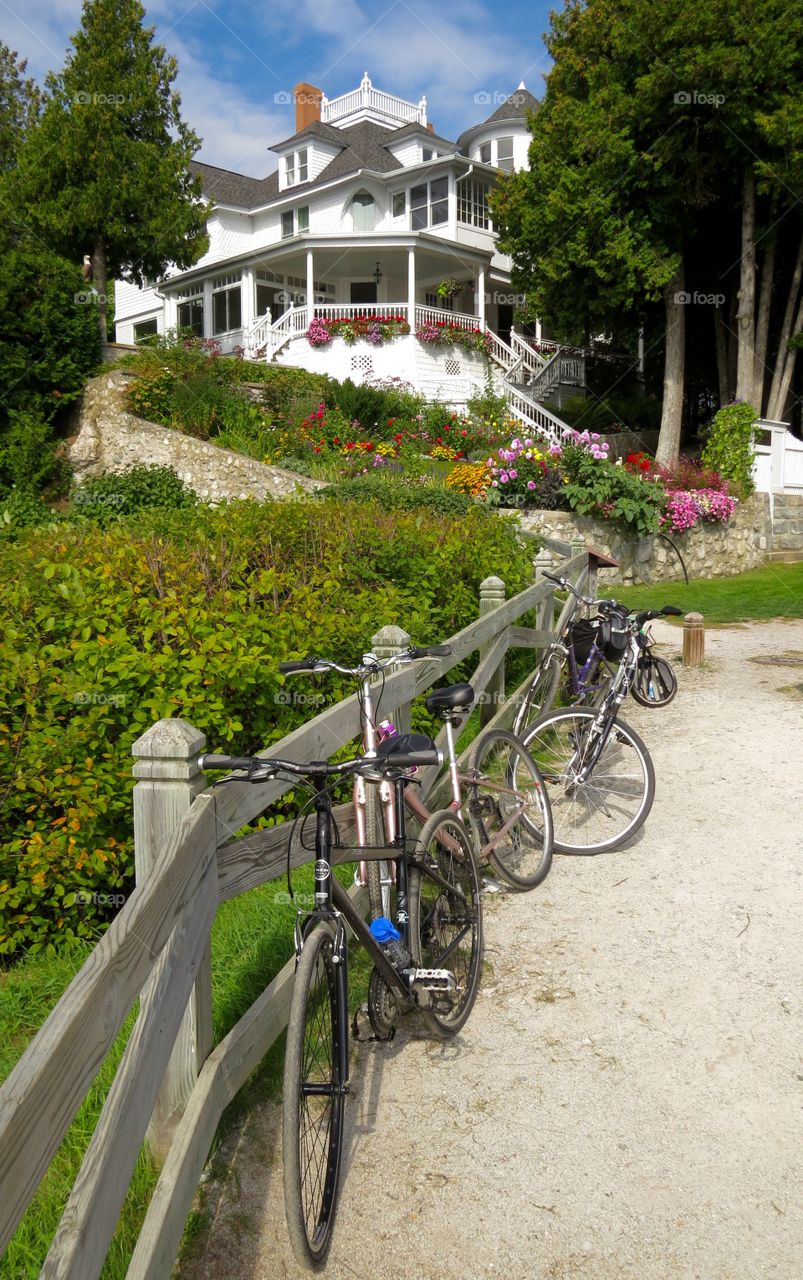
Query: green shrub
(401,493)
(187,613)
(613,493)
(728,447)
(20,510)
(104,499)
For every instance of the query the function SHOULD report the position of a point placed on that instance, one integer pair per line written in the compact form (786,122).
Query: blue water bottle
(389,939)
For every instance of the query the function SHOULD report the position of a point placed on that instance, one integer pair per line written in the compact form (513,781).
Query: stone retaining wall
(708,550)
(108,438)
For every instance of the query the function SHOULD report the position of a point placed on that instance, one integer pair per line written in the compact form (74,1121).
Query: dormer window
(296,167)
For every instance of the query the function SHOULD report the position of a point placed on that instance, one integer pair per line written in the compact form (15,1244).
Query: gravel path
(625,1099)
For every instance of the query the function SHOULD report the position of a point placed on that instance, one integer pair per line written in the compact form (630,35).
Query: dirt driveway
(625,1100)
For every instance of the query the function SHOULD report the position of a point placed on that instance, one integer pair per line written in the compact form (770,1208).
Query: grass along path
(773,591)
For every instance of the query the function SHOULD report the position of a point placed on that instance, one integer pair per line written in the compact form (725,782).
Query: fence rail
(172,1085)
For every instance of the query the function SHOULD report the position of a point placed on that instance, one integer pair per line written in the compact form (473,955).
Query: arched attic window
(363,212)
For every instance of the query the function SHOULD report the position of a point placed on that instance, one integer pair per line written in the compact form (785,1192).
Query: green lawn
(774,591)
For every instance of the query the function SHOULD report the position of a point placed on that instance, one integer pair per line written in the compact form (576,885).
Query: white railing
(435,315)
(367,98)
(353,310)
(778,459)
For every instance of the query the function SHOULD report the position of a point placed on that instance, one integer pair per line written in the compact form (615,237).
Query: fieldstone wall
(708,550)
(109,438)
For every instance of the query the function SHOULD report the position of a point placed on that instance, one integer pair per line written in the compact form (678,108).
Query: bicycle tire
(446,916)
(312,1058)
(540,693)
(655,684)
(378,873)
(507,779)
(610,807)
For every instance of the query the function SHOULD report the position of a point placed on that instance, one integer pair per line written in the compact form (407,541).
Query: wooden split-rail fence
(173,1084)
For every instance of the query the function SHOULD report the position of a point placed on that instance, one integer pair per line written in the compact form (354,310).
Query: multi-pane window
(435,300)
(472,204)
(485,153)
(427,153)
(191,315)
(226,304)
(288,224)
(290,168)
(296,167)
(399,204)
(504,154)
(429,204)
(303,218)
(303,169)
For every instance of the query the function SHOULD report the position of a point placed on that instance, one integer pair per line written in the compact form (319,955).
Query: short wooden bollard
(693,640)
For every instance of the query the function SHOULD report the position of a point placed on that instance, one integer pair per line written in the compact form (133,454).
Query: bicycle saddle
(407,743)
(456,695)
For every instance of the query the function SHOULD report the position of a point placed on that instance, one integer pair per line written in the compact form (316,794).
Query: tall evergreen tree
(20,103)
(106,171)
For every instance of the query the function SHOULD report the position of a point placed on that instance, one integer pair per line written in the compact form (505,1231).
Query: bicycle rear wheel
(378,873)
(314,1101)
(610,806)
(655,684)
(540,693)
(446,917)
(509,809)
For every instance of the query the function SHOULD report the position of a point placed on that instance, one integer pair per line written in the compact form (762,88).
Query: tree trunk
(763,320)
(99,281)
(733,344)
(721,335)
(785,334)
(776,406)
(746,315)
(674,353)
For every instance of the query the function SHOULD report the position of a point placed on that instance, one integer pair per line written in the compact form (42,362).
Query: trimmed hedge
(187,613)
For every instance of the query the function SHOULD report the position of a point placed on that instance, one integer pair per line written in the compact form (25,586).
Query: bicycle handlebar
(369,663)
(261,769)
(668,611)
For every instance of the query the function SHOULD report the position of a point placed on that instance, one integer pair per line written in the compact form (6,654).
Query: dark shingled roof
(516,107)
(314,130)
(222,186)
(410,130)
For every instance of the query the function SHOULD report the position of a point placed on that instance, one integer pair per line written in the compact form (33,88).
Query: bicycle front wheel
(610,806)
(446,918)
(314,1101)
(540,693)
(509,809)
(378,873)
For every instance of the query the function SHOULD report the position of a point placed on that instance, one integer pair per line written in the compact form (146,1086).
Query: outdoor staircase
(520,374)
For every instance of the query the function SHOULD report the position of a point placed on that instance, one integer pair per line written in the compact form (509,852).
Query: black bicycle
(434,965)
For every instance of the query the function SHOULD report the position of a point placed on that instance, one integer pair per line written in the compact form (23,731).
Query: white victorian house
(368,212)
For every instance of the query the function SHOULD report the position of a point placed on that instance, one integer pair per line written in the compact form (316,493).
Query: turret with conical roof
(503,138)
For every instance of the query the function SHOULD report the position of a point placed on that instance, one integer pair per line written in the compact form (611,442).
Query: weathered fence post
(693,640)
(492,594)
(388,641)
(545,611)
(169,779)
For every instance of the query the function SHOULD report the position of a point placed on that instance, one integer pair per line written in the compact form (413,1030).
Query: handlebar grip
(671,611)
(554,578)
(305,664)
(209,760)
(429,650)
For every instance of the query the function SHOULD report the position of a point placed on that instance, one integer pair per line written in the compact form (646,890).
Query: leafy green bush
(613,414)
(728,447)
(187,613)
(600,488)
(20,510)
(106,498)
(401,493)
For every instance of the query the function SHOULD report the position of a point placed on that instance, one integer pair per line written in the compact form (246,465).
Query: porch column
(411,288)
(249,300)
(310,289)
(170,312)
(208,319)
(481,296)
(538,328)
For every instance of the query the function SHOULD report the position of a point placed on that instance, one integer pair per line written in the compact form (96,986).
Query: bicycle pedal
(432,980)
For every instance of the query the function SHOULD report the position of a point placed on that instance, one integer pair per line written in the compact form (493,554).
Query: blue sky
(239,62)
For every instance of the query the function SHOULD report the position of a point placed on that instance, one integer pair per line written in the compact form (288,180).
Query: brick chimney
(308,104)
(430,127)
